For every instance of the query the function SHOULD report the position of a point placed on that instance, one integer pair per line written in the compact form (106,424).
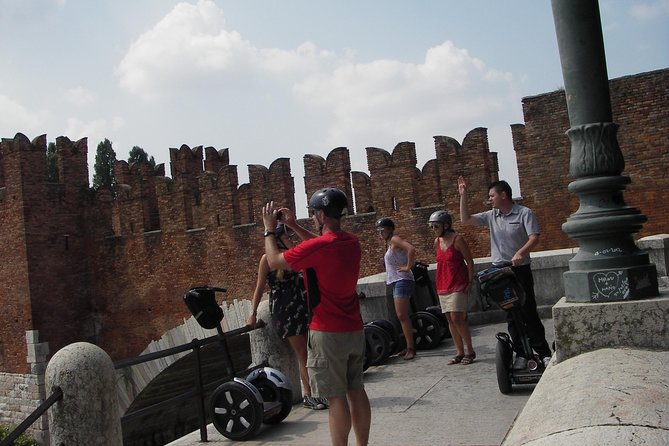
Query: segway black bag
(502,287)
(201,302)
(420,274)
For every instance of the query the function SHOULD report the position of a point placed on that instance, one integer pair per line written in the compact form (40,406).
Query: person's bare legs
(299,345)
(402,312)
(462,327)
(339,420)
(455,334)
(361,414)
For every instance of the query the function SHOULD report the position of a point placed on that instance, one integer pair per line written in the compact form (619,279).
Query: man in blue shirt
(514,232)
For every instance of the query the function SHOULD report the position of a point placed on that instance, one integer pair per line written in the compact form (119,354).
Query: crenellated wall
(111,267)
(44,272)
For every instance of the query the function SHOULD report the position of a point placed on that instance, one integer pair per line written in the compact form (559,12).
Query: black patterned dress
(287,303)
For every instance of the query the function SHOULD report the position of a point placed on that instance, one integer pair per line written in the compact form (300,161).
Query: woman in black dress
(288,310)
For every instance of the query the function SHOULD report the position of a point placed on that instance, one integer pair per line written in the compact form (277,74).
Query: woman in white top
(399,258)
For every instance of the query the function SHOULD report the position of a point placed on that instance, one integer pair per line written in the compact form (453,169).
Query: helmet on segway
(331,201)
(385,222)
(441,217)
(272,374)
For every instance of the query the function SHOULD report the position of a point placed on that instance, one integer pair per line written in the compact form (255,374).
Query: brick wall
(45,239)
(112,270)
(22,393)
(640,106)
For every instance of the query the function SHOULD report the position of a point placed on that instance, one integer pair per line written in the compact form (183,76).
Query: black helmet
(385,222)
(332,201)
(441,217)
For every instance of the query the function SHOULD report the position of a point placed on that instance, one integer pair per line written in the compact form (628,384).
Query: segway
(239,407)
(500,285)
(382,339)
(377,344)
(396,342)
(429,324)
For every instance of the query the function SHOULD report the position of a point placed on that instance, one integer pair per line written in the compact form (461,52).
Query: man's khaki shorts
(335,362)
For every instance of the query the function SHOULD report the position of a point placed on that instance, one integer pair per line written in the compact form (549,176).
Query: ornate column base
(608,285)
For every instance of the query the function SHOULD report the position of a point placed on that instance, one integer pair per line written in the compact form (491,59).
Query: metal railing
(197,391)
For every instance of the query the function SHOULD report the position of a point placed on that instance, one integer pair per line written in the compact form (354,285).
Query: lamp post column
(609,266)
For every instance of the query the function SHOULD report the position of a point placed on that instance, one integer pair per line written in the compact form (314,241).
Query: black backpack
(313,293)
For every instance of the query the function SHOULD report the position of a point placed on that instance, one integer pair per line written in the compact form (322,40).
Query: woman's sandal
(410,354)
(468,359)
(457,359)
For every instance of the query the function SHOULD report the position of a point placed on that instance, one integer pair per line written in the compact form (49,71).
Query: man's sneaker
(312,403)
(323,401)
(546,360)
(519,363)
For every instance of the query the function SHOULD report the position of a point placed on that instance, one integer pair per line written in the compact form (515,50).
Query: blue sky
(271,79)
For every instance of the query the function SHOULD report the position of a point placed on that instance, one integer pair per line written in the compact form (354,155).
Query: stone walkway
(420,402)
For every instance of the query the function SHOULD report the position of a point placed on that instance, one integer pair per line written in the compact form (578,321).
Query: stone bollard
(88,412)
(266,346)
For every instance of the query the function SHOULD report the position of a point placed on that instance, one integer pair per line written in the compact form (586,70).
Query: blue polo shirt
(508,233)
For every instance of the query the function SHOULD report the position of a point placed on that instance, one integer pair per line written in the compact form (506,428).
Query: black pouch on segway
(202,303)
(502,287)
(313,294)
(420,275)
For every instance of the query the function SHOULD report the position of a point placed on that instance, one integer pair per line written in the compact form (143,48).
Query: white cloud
(377,102)
(79,96)
(391,100)
(190,48)
(189,43)
(14,115)
(650,10)
(96,130)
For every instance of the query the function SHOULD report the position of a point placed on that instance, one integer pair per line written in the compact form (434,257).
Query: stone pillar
(609,266)
(267,346)
(37,354)
(88,412)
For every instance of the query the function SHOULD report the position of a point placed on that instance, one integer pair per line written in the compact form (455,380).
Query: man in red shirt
(336,346)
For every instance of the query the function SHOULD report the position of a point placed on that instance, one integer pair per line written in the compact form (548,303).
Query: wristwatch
(268,233)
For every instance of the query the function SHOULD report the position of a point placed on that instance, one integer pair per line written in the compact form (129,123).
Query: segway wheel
(427,330)
(236,412)
(271,393)
(503,355)
(276,392)
(441,317)
(377,344)
(392,331)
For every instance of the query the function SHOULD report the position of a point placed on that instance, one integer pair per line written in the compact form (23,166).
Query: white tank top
(394,259)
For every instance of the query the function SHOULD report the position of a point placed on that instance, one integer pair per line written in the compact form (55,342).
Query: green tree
(105,158)
(22,440)
(139,155)
(51,163)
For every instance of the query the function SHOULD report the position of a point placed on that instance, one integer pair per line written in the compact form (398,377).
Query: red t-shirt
(335,257)
(452,273)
